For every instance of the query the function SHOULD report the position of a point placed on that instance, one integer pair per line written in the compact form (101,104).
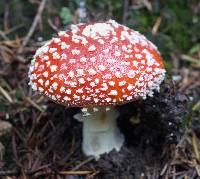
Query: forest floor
(40,139)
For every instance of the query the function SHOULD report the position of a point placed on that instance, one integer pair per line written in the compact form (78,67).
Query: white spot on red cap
(92,71)
(113,93)
(101,67)
(53,68)
(91,48)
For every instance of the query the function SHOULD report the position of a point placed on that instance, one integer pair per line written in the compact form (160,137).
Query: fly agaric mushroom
(95,67)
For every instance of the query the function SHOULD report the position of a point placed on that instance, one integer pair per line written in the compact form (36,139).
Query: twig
(52,25)
(14,29)
(6,95)
(83,163)
(190,59)
(34,104)
(196,107)
(3,35)
(125,11)
(33,26)
(156,25)
(75,172)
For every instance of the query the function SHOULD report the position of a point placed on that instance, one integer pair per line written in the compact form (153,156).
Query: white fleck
(74,28)
(50,90)
(92,59)
(75,39)
(56,55)
(135,63)
(92,84)
(96,81)
(80,91)
(91,48)
(47,83)
(117,53)
(75,52)
(63,56)
(131,74)
(129,98)
(101,67)
(83,60)
(142,62)
(106,50)
(101,41)
(98,29)
(121,83)
(127,56)
(96,100)
(61,33)
(68,91)
(45,74)
(111,60)
(48,63)
(71,74)
(84,41)
(36,65)
(56,40)
(72,61)
(108,99)
(105,87)
(130,87)
(55,85)
(84,110)
(66,98)
(81,80)
(53,97)
(73,84)
(114,39)
(113,93)
(149,69)
(62,89)
(89,79)
(80,72)
(139,56)
(51,50)
(64,46)
(41,81)
(118,74)
(53,68)
(41,89)
(92,71)
(46,57)
(111,83)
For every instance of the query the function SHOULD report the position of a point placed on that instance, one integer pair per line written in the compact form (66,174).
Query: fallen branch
(33,26)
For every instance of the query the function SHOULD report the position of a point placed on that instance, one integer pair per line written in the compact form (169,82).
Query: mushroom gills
(100,132)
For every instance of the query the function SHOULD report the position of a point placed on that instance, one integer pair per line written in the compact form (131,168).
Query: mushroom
(96,67)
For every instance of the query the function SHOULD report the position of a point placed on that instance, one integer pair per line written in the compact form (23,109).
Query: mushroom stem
(100,132)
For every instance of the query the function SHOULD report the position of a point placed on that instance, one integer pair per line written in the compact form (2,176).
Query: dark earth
(151,128)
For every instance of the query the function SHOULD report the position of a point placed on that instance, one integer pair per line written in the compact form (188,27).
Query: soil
(151,128)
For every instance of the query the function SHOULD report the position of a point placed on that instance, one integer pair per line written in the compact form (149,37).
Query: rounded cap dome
(98,64)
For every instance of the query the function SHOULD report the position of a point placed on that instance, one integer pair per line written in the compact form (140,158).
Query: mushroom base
(100,132)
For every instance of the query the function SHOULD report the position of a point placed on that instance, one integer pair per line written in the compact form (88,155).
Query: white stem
(100,132)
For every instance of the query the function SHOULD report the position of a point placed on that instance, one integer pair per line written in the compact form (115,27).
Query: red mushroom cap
(99,64)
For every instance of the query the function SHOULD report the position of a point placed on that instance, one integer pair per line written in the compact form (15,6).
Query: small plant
(65,15)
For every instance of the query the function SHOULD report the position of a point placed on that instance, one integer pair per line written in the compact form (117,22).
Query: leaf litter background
(39,139)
